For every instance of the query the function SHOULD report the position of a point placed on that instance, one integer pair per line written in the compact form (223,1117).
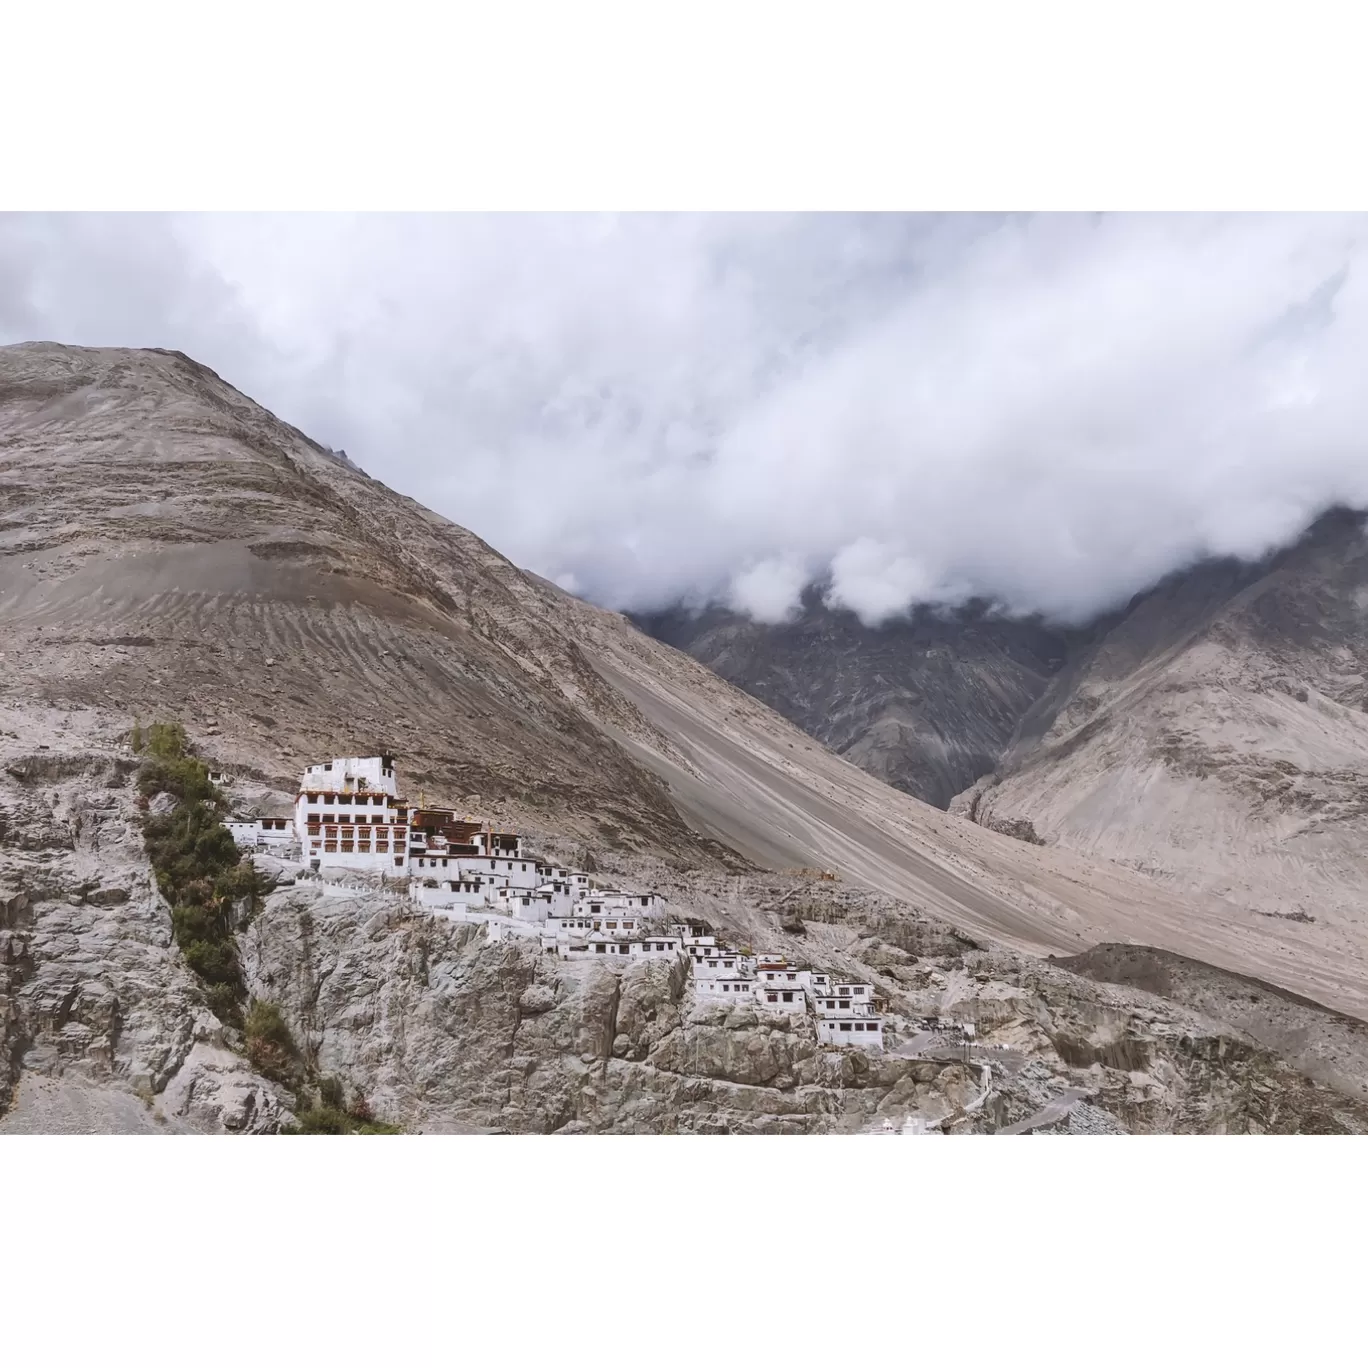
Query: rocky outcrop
(94,996)
(439,1027)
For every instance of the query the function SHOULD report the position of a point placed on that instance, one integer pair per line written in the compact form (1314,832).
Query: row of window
(860,1025)
(343,819)
(343,799)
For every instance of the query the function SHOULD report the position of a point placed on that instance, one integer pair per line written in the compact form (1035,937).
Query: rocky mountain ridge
(1216,737)
(927,704)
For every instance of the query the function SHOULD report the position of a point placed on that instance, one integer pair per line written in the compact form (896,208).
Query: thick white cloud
(769,590)
(1048,412)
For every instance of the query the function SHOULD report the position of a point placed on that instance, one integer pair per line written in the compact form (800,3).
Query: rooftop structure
(352,774)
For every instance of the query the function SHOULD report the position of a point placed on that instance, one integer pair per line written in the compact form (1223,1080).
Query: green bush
(270,1046)
(330,1093)
(167,741)
(198,867)
(321,1120)
(326,1114)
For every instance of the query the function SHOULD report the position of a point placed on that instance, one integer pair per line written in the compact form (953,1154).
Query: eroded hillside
(1216,738)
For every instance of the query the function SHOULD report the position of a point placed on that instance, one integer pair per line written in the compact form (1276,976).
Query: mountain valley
(168,549)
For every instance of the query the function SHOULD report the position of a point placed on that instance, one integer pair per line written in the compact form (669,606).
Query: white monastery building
(349,814)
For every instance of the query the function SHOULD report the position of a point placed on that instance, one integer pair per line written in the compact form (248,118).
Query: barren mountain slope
(170,547)
(927,704)
(1217,739)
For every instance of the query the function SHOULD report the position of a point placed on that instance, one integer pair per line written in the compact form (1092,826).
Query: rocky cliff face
(443,1029)
(927,704)
(102,1025)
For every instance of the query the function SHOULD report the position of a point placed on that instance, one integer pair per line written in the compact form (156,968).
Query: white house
(779,997)
(522,903)
(450,893)
(785,977)
(562,900)
(654,947)
(500,844)
(615,925)
(828,1006)
(614,900)
(272,832)
(353,773)
(728,990)
(864,1033)
(597,945)
(724,963)
(568,925)
(857,992)
(516,871)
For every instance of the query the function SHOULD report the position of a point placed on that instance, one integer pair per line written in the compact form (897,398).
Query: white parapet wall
(499,924)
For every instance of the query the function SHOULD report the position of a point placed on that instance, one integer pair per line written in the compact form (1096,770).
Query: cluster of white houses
(348,815)
(844,1012)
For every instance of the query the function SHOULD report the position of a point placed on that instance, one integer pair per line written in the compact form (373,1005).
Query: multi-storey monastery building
(350,816)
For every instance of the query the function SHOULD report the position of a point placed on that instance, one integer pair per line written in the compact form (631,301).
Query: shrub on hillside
(271,1047)
(198,867)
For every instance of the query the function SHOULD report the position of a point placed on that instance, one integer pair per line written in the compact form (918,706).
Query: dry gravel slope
(168,546)
(1216,739)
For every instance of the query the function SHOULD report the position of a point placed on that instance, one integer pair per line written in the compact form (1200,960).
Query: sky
(1049,412)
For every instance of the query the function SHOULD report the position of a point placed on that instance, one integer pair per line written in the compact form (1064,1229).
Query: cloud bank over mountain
(1050,412)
